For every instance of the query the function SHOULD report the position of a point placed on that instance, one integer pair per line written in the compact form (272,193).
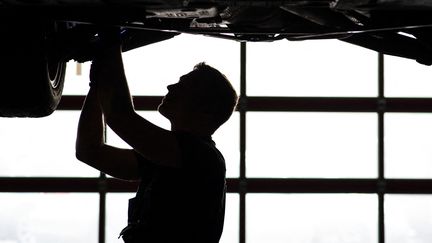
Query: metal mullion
(242,110)
(381,179)
(381,109)
(102,207)
(254,185)
(102,197)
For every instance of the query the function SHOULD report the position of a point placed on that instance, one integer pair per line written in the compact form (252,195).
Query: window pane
(117,204)
(231,228)
(49,217)
(311,68)
(311,218)
(308,144)
(406,78)
(41,146)
(77,78)
(226,139)
(151,68)
(408,218)
(408,151)
(116,215)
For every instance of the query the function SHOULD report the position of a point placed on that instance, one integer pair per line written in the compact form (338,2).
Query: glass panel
(41,146)
(311,68)
(311,218)
(407,144)
(308,144)
(77,78)
(231,229)
(408,218)
(406,78)
(151,68)
(117,204)
(49,217)
(116,215)
(226,139)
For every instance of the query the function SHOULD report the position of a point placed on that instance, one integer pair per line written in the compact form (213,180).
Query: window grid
(380,186)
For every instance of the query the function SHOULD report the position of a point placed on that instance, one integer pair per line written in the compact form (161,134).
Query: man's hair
(218,97)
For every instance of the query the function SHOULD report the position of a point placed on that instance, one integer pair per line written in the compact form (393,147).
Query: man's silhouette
(181,197)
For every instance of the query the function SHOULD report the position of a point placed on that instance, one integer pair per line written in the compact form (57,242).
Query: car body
(62,30)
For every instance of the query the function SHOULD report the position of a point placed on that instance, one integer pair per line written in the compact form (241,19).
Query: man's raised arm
(91,148)
(154,143)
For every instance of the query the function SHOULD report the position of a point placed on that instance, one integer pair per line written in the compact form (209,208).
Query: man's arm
(154,143)
(91,148)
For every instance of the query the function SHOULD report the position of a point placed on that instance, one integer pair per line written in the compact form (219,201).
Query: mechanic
(181,195)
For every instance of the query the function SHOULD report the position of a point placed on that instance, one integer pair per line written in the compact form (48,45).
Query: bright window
(321,145)
(406,78)
(49,217)
(408,145)
(41,147)
(311,218)
(311,68)
(408,218)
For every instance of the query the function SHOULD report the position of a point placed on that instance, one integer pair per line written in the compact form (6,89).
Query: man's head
(203,96)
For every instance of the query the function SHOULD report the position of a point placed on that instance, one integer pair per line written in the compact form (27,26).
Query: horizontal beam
(253,185)
(281,104)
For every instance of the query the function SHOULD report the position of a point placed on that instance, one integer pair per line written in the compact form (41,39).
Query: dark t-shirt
(186,204)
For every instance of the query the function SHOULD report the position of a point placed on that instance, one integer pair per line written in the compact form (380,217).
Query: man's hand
(109,41)
(91,148)
(109,36)
(151,141)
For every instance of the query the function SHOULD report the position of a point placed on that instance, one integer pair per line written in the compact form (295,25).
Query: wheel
(31,79)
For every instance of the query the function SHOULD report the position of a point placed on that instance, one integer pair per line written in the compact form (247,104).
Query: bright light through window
(311,68)
(41,147)
(77,78)
(49,217)
(406,78)
(408,145)
(311,218)
(306,144)
(408,218)
(151,68)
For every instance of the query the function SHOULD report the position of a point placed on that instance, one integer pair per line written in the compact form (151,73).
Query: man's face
(178,99)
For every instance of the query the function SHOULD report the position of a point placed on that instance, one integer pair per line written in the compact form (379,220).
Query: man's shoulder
(200,152)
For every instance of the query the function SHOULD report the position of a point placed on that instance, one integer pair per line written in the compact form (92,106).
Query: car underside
(48,33)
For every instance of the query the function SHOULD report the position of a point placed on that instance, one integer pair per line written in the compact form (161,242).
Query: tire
(31,79)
